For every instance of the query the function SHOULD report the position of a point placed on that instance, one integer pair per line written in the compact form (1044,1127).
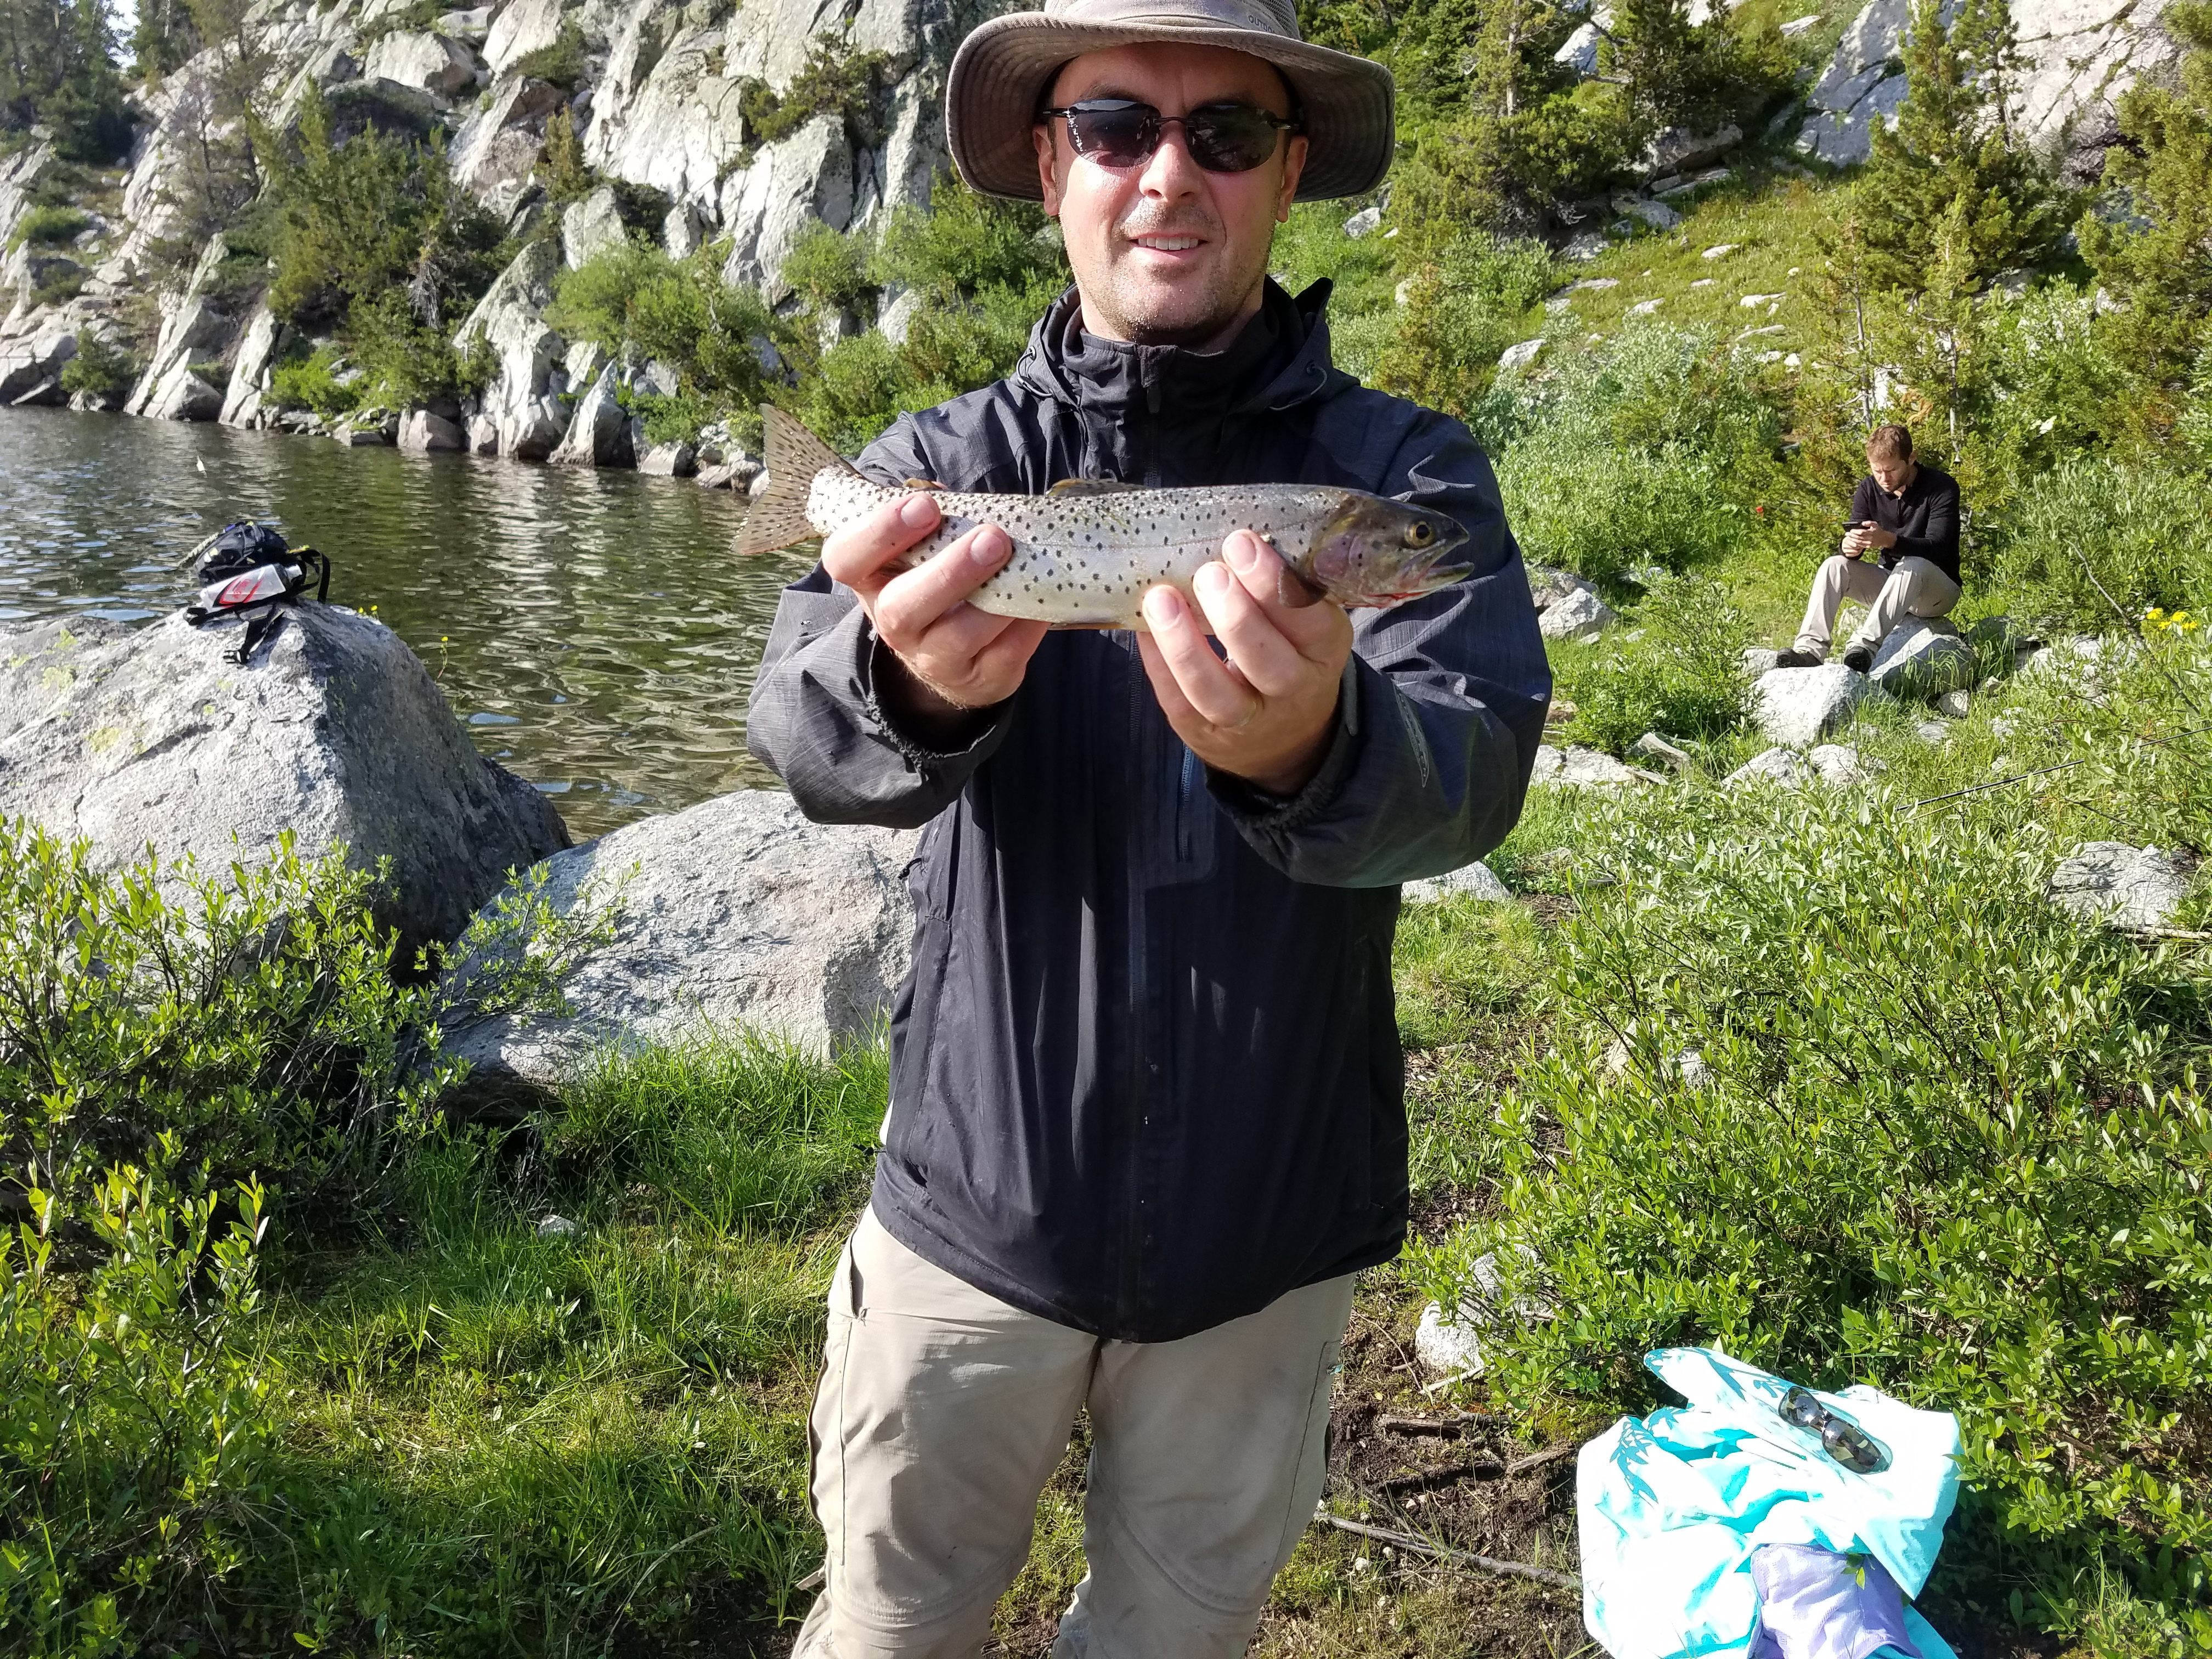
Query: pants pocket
(1312,1473)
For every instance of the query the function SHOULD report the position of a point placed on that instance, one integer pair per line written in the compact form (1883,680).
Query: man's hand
(953,658)
(1266,714)
(1868,537)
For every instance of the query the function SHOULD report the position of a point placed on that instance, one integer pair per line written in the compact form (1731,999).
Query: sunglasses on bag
(1848,1443)
(1116,132)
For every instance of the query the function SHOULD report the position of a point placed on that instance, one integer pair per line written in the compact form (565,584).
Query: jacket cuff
(1256,809)
(991,722)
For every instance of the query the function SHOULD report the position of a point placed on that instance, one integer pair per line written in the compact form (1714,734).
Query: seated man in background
(1907,513)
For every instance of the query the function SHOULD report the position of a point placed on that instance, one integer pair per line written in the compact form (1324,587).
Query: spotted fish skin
(1084,555)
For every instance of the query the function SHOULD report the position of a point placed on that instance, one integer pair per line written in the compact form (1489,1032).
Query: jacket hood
(1280,360)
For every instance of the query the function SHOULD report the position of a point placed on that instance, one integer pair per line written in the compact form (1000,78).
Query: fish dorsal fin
(1091,487)
(795,459)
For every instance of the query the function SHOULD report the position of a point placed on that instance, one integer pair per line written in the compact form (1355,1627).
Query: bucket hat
(998,84)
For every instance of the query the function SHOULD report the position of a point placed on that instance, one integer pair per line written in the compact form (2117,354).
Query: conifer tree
(57,68)
(2157,259)
(1950,149)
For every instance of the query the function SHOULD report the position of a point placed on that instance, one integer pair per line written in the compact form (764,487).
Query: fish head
(1376,552)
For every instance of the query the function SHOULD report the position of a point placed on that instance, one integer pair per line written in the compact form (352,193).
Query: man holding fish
(1188,650)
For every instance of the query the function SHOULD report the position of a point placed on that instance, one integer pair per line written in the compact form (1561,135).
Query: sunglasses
(1844,1441)
(1116,132)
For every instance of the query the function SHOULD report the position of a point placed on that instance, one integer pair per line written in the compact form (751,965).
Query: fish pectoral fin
(1091,487)
(923,484)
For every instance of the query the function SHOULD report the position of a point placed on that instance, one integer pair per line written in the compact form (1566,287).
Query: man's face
(1892,473)
(1163,251)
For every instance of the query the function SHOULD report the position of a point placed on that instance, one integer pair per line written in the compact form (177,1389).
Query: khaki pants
(942,1413)
(1914,588)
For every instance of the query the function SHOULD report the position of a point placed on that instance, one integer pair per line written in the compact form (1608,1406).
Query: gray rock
(1364,222)
(30,359)
(361,437)
(1845,137)
(560,1227)
(676,460)
(1580,616)
(1653,747)
(682,231)
(334,732)
(896,315)
(470,26)
(1656,215)
(599,433)
(1757,659)
(1955,705)
(1547,586)
(1451,1348)
(1521,356)
(509,322)
(1579,53)
(2128,887)
(182,395)
(189,325)
(736,912)
(483,435)
(1841,765)
(1779,767)
(438,64)
(1923,658)
(1577,767)
(526,26)
(1678,149)
(737,473)
(1805,25)
(498,145)
(420,433)
(590,227)
(1798,706)
(1583,246)
(1934,733)
(1476,880)
(259,349)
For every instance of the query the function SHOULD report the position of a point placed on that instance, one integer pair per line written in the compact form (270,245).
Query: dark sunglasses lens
(1114,137)
(1234,140)
(1850,1447)
(1799,1406)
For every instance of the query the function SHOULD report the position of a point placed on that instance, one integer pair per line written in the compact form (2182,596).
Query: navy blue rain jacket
(1145,1071)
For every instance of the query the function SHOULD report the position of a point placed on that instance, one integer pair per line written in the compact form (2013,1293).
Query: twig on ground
(1406,1540)
(2190,935)
(1449,1428)
(1444,1474)
(1537,1460)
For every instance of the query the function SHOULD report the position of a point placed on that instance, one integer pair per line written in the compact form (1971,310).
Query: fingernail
(917,512)
(1243,550)
(1161,605)
(993,544)
(1212,579)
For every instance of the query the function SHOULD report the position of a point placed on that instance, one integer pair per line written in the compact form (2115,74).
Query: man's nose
(1170,172)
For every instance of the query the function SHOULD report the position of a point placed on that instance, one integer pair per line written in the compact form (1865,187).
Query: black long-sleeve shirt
(1924,516)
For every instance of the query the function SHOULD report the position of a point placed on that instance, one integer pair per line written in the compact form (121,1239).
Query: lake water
(591,628)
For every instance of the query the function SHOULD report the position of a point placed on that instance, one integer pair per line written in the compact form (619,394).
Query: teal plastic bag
(1671,1508)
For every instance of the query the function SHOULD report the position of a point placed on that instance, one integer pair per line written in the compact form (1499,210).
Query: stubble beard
(1191,312)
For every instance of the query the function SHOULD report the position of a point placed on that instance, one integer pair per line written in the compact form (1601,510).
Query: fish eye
(1420,533)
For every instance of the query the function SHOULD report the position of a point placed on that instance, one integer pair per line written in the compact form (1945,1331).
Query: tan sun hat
(998,85)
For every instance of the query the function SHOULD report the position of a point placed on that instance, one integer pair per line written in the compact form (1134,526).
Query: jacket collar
(1280,360)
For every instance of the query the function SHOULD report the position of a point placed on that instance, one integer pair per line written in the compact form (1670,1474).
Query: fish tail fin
(795,456)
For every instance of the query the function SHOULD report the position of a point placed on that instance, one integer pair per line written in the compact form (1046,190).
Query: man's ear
(1294,163)
(1041,138)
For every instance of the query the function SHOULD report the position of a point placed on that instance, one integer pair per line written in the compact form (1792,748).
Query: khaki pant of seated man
(1914,588)
(943,1411)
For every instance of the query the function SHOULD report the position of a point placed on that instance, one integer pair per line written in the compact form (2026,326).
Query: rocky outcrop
(1577,767)
(438,64)
(522,405)
(497,146)
(2079,56)
(1798,706)
(599,433)
(2125,886)
(423,432)
(590,227)
(258,350)
(1580,616)
(734,912)
(333,734)
(30,361)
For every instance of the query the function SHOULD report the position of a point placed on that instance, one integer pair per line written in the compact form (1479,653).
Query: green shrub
(834,79)
(49,226)
(312,383)
(1649,451)
(2139,531)
(562,62)
(968,243)
(139,1442)
(1683,678)
(1462,310)
(826,267)
(1875,1111)
(98,368)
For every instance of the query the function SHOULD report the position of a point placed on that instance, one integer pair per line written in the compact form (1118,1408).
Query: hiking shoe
(1796,660)
(1859,659)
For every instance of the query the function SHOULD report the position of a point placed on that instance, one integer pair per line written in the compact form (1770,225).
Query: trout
(1086,552)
